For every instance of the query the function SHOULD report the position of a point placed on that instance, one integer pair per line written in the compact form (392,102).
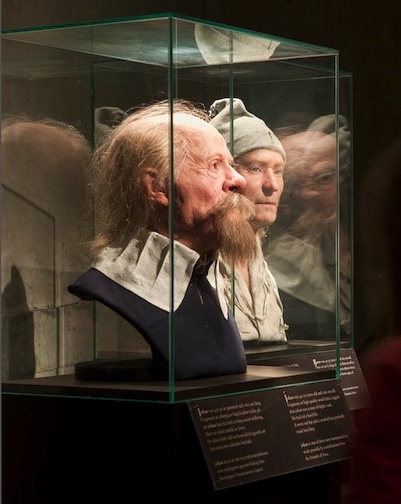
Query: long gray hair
(121,206)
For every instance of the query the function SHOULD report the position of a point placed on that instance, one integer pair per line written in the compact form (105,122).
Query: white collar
(144,267)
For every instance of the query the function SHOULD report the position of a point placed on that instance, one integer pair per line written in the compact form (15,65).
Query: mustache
(236,201)
(237,240)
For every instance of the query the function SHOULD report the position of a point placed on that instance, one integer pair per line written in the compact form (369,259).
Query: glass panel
(346,204)
(68,92)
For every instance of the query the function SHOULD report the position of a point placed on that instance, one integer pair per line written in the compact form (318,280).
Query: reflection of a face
(263,172)
(310,169)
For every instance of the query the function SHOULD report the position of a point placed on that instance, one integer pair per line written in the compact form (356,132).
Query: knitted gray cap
(249,132)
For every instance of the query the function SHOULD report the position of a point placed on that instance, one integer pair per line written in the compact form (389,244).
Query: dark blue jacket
(204,343)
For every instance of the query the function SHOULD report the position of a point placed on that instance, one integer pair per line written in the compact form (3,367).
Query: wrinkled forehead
(204,138)
(184,122)
(180,119)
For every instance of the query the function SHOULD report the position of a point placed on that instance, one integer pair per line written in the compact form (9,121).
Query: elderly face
(207,178)
(203,187)
(311,165)
(263,172)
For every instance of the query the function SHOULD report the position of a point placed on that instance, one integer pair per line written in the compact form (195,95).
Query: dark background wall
(367,34)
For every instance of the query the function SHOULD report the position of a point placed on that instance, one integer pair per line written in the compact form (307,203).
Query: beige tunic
(258,309)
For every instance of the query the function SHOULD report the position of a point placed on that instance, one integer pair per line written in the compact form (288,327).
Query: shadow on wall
(17,330)
(43,204)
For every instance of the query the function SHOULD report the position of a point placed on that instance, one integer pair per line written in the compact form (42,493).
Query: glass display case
(68,93)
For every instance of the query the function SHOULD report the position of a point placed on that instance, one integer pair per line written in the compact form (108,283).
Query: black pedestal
(79,450)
